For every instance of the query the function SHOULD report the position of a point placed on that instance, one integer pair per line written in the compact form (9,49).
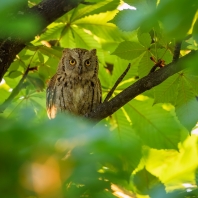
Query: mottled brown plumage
(75,87)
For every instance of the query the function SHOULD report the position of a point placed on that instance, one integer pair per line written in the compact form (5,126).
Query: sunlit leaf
(95,8)
(161,132)
(195,31)
(148,184)
(128,20)
(53,32)
(126,135)
(145,39)
(14,74)
(167,91)
(186,100)
(145,64)
(129,50)
(176,11)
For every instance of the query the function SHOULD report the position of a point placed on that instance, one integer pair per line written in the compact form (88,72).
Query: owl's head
(78,62)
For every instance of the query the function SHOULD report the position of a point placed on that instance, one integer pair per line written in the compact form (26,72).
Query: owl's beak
(80,69)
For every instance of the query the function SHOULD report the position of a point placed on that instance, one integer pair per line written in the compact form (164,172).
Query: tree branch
(176,53)
(153,79)
(47,11)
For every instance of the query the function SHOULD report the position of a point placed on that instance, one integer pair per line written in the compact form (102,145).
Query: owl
(75,87)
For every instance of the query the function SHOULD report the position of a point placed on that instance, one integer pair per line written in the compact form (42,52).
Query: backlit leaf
(161,132)
(129,50)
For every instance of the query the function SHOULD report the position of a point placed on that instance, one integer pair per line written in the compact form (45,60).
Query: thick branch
(177,51)
(47,11)
(145,83)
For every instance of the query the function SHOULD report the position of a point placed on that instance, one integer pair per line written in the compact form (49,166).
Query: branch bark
(48,11)
(177,51)
(153,79)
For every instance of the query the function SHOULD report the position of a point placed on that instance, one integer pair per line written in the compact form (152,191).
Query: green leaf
(51,52)
(41,57)
(167,91)
(99,26)
(190,75)
(14,66)
(196,176)
(145,39)
(128,20)
(186,103)
(178,89)
(119,67)
(148,184)
(67,40)
(140,4)
(125,135)
(36,82)
(185,90)
(106,33)
(129,50)
(176,10)
(195,31)
(14,74)
(96,8)
(160,132)
(145,64)
(83,39)
(53,32)
(187,113)
(4,92)
(132,2)
(50,68)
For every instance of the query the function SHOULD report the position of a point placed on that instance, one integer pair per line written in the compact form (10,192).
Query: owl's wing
(51,98)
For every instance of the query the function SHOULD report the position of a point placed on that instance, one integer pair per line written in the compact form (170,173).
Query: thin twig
(176,53)
(117,83)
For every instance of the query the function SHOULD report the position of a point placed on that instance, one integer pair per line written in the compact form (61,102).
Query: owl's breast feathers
(76,95)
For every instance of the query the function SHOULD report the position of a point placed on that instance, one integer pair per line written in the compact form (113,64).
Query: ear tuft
(65,50)
(93,51)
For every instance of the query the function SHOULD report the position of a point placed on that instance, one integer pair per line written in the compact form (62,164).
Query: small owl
(75,87)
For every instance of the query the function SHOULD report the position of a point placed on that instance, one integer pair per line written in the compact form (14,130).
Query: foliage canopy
(148,148)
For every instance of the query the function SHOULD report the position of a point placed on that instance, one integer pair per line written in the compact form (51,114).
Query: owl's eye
(72,62)
(87,62)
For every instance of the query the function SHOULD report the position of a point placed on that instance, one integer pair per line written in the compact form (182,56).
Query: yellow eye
(87,62)
(72,62)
